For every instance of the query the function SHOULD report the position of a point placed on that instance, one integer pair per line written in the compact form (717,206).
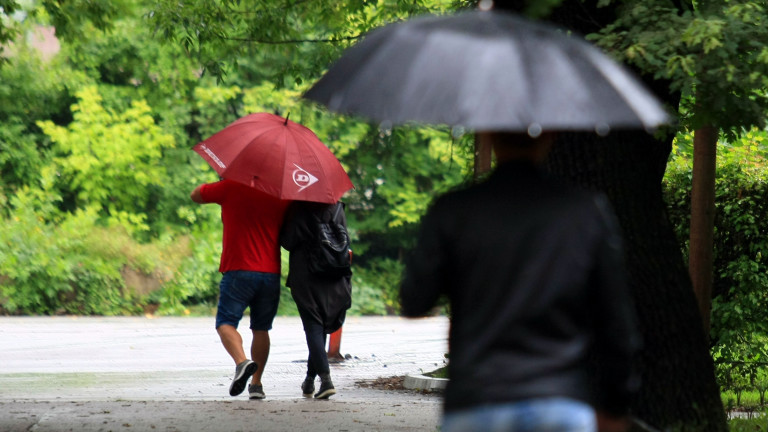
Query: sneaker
(326,390)
(256,391)
(308,387)
(243,371)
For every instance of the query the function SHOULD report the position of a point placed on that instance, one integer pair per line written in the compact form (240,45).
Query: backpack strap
(337,210)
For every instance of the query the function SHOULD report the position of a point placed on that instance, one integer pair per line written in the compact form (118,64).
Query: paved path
(171,374)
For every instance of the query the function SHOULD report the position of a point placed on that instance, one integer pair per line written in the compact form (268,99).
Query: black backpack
(329,252)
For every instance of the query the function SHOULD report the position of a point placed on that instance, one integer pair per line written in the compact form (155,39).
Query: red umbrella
(277,156)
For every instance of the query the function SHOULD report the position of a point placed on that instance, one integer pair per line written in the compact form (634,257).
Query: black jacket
(535,277)
(321,299)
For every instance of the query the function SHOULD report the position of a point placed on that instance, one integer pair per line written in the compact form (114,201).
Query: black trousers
(317,363)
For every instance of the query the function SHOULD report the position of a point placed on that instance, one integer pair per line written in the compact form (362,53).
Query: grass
(749,400)
(758,424)
(438,373)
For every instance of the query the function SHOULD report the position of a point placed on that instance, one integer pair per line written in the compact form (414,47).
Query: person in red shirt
(250,264)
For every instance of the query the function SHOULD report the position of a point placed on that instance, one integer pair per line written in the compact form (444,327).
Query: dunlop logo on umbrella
(302,178)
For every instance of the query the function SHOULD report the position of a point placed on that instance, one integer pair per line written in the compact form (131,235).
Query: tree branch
(293,41)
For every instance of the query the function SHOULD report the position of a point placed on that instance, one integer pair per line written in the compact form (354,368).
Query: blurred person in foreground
(533,271)
(250,263)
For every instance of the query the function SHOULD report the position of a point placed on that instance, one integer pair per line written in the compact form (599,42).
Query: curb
(421,382)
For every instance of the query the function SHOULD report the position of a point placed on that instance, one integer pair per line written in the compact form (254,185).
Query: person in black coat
(322,301)
(534,272)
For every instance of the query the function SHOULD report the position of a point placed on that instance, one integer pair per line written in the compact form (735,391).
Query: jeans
(240,289)
(533,415)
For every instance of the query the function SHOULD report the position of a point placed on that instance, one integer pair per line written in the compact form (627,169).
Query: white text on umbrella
(213,156)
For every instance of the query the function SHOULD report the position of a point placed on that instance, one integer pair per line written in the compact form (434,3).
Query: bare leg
(259,353)
(232,342)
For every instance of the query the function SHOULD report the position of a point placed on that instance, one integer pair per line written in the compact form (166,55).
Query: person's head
(510,146)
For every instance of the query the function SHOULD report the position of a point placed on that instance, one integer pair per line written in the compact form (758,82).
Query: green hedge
(739,332)
(54,262)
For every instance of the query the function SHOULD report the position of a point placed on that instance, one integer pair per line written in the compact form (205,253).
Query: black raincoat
(322,299)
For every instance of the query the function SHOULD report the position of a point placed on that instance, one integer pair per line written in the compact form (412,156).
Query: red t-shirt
(252,221)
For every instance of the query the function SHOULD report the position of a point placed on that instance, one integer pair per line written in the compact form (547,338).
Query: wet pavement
(172,374)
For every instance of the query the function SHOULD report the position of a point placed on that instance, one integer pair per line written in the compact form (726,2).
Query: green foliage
(74,19)
(31,90)
(278,40)
(215,107)
(53,262)
(19,157)
(710,51)
(287,306)
(110,159)
(7,29)
(196,279)
(49,269)
(130,64)
(740,295)
(441,372)
(375,288)
(367,299)
(756,424)
(435,163)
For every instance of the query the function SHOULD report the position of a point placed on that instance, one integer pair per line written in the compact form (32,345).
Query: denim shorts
(240,289)
(533,415)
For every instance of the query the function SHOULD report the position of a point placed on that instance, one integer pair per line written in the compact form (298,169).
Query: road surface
(172,374)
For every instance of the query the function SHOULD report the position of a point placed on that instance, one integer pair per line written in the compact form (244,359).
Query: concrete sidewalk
(137,374)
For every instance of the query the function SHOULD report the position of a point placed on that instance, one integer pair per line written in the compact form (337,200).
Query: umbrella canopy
(485,70)
(277,156)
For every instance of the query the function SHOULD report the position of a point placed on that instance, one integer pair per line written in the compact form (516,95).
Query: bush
(68,263)
(195,279)
(375,289)
(757,423)
(740,290)
(51,269)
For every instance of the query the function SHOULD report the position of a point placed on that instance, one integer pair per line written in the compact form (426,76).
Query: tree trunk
(483,156)
(678,390)
(700,259)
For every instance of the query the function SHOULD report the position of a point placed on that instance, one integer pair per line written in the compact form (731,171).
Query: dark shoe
(326,390)
(256,392)
(243,371)
(308,387)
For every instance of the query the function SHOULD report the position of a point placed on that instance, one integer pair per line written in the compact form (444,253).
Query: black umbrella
(485,71)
